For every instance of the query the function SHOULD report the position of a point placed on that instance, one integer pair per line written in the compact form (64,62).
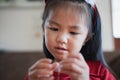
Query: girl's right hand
(42,70)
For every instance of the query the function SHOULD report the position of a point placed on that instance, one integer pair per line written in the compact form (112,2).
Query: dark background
(14,65)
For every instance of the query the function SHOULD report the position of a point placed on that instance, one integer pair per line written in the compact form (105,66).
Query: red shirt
(97,72)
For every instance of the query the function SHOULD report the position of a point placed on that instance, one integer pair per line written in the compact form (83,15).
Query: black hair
(92,47)
(92,50)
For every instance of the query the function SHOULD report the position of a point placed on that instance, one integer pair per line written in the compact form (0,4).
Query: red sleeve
(99,72)
(106,75)
(26,77)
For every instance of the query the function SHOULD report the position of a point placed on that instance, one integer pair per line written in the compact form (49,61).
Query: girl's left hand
(76,67)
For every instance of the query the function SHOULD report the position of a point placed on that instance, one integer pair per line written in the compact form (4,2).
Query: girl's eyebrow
(72,27)
(75,27)
(53,22)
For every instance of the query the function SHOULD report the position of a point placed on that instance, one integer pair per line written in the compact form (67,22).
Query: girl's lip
(61,50)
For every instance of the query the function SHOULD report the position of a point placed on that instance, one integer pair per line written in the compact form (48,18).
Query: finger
(45,73)
(45,60)
(71,74)
(41,66)
(43,63)
(40,73)
(71,67)
(47,66)
(75,71)
(46,78)
(55,65)
(74,64)
(78,56)
(73,61)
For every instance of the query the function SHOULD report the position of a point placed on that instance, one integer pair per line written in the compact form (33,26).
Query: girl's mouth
(61,50)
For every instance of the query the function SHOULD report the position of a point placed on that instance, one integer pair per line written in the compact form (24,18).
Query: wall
(104,7)
(20,28)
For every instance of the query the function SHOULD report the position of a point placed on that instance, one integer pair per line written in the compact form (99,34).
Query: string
(58,69)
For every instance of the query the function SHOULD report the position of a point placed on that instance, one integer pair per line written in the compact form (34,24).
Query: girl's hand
(42,70)
(76,67)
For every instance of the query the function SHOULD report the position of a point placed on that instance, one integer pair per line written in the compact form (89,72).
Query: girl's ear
(90,35)
(86,40)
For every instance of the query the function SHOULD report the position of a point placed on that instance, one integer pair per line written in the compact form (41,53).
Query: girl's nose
(62,38)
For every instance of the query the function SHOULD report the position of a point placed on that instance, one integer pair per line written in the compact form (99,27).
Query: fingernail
(52,78)
(47,75)
(58,68)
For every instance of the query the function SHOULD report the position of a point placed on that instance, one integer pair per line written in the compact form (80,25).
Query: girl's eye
(53,29)
(74,33)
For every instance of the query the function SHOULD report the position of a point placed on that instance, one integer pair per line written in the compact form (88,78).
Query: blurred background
(21,35)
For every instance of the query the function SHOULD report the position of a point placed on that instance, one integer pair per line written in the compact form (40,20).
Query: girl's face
(65,33)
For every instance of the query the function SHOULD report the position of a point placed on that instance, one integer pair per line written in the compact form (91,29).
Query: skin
(65,33)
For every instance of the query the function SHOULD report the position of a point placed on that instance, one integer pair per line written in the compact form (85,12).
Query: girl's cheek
(75,46)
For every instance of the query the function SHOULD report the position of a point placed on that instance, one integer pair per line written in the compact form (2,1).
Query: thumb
(55,65)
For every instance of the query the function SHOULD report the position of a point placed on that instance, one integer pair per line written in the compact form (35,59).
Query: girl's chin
(58,59)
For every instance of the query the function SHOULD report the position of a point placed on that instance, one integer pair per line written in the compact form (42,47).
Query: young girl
(72,42)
